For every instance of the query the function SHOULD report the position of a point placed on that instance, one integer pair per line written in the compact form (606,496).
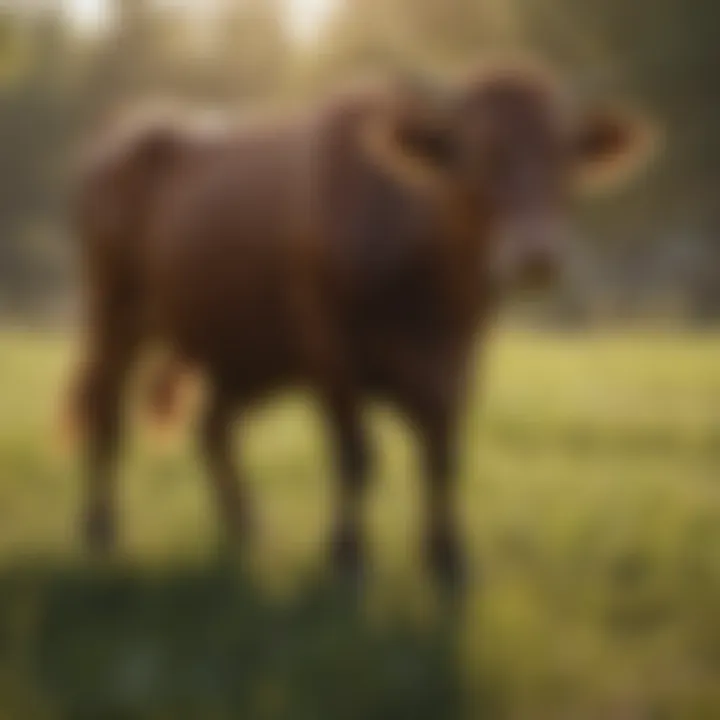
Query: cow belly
(226,312)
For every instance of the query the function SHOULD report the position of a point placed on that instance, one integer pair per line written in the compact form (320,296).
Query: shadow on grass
(213,643)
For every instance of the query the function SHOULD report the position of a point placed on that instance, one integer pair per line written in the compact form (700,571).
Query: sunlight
(305,17)
(88,13)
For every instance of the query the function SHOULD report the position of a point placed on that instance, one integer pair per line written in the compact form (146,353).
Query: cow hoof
(240,526)
(100,534)
(347,559)
(235,540)
(447,565)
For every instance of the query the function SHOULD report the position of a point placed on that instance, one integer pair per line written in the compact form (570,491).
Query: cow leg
(435,421)
(100,390)
(352,462)
(216,445)
(443,550)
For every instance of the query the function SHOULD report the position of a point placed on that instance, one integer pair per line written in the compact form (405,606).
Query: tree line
(652,249)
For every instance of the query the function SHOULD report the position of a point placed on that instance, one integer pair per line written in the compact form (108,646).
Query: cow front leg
(444,553)
(352,461)
(216,445)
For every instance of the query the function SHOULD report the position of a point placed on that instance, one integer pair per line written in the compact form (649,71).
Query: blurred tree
(32,129)
(56,81)
(661,53)
(434,34)
(253,48)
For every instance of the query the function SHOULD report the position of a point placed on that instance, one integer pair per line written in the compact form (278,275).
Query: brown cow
(356,251)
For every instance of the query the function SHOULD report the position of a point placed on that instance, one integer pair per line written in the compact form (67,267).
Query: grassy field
(590,498)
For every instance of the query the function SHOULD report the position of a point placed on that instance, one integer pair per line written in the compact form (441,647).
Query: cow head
(511,147)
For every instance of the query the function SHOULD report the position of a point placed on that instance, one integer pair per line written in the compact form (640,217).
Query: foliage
(654,245)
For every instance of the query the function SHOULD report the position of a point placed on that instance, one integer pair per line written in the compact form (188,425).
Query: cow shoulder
(380,224)
(384,235)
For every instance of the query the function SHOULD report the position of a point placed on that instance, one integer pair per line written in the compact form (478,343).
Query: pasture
(590,494)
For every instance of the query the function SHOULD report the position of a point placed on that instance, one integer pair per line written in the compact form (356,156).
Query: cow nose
(540,270)
(529,253)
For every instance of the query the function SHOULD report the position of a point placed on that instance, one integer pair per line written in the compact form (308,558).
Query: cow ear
(428,139)
(158,148)
(414,150)
(611,146)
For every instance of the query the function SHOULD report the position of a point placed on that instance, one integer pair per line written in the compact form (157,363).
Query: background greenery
(651,251)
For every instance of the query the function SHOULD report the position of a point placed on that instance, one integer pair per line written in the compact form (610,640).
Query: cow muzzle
(528,252)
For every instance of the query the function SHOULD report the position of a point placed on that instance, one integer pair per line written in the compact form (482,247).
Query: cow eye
(430,143)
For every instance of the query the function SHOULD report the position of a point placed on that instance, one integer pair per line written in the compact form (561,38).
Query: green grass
(590,498)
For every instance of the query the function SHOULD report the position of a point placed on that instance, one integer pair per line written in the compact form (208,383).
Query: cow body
(268,258)
(220,262)
(294,253)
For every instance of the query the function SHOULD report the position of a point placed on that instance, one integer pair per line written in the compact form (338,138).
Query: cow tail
(115,182)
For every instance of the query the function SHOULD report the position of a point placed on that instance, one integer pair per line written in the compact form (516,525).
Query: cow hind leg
(99,398)
(216,446)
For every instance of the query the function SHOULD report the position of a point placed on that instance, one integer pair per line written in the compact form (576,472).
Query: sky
(305,16)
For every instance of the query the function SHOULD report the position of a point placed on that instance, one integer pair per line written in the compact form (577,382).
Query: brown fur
(347,251)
